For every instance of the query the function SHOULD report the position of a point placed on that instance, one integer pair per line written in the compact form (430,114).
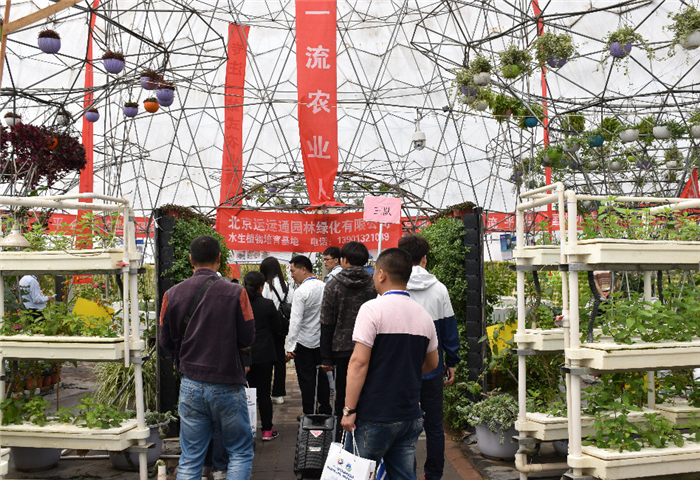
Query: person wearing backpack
(277,290)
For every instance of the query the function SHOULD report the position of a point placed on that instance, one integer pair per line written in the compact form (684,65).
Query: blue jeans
(203,405)
(395,442)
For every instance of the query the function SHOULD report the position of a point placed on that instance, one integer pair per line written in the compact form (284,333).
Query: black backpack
(284,309)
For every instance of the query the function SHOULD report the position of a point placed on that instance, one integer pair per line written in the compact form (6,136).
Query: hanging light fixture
(14,239)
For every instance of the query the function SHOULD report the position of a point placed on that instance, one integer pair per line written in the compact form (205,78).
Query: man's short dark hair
(302,261)
(355,253)
(204,250)
(333,252)
(417,247)
(396,263)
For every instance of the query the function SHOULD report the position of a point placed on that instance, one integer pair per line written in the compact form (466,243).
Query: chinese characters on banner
(317,93)
(505,222)
(382,209)
(298,232)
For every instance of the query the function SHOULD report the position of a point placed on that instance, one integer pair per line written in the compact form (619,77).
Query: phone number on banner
(363,237)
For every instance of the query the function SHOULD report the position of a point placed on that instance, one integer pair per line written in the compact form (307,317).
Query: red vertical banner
(317,92)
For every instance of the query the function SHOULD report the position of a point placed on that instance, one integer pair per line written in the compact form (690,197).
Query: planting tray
(545,341)
(62,435)
(540,257)
(65,262)
(607,464)
(612,254)
(678,412)
(549,428)
(40,347)
(612,357)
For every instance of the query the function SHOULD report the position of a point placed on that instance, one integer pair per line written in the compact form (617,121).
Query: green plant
(550,45)
(464,77)
(112,376)
(484,94)
(677,129)
(623,35)
(502,106)
(610,128)
(34,410)
(533,110)
(480,64)
(694,119)
(496,411)
(684,23)
(12,410)
(575,122)
(514,56)
(91,414)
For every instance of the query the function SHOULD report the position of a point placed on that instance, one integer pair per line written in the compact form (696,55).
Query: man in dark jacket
(212,390)
(342,298)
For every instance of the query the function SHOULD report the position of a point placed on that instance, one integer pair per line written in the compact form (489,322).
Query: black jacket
(267,322)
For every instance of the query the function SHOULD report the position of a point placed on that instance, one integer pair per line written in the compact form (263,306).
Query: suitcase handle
(320,367)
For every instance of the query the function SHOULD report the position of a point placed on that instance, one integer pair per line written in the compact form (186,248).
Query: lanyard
(310,278)
(396,292)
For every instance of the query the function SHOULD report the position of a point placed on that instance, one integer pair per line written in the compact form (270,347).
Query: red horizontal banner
(299,232)
(57,221)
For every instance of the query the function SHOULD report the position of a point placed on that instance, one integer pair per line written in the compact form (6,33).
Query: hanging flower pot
(166,103)
(571,146)
(511,71)
(130,109)
(671,164)
(49,41)
(593,164)
(595,140)
(151,105)
(53,143)
(531,122)
(692,41)
(468,91)
(92,115)
(165,92)
(645,164)
(662,132)
(483,78)
(695,131)
(620,51)
(12,119)
(615,166)
(272,189)
(554,153)
(556,62)
(149,79)
(295,202)
(63,118)
(629,135)
(113,61)
(480,105)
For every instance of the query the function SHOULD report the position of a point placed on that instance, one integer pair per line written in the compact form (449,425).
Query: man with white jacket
(432,295)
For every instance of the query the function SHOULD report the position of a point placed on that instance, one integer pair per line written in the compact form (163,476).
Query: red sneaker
(268,435)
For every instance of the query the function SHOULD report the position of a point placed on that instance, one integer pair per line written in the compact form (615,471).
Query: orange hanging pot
(151,105)
(53,143)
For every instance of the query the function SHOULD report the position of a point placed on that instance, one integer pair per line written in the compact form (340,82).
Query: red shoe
(268,435)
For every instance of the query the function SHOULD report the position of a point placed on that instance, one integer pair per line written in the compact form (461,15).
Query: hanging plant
(646,130)
(694,124)
(483,100)
(12,119)
(63,117)
(53,143)
(464,81)
(595,138)
(553,153)
(515,62)
(629,133)
(49,41)
(481,68)
(554,49)
(151,105)
(113,61)
(149,79)
(575,122)
(530,116)
(620,42)
(92,115)
(503,106)
(165,92)
(130,109)
(571,144)
(609,128)
(685,28)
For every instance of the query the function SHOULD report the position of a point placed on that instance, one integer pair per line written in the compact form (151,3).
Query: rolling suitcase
(316,433)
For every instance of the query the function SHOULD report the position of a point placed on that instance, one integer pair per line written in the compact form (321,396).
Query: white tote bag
(251,397)
(344,465)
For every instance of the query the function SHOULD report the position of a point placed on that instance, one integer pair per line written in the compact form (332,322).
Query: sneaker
(218,475)
(268,435)
(277,400)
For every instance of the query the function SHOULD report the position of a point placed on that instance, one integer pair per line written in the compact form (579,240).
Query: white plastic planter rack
(128,347)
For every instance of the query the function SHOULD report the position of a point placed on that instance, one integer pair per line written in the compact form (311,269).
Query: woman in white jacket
(277,289)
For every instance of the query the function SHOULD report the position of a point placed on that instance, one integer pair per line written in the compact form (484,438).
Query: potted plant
(481,68)
(130,109)
(694,124)
(165,92)
(515,61)
(554,49)
(595,138)
(92,115)
(49,41)
(552,153)
(575,122)
(571,144)
(629,133)
(672,157)
(530,116)
(609,128)
(503,106)
(113,61)
(12,119)
(668,129)
(494,419)
(483,99)
(158,425)
(63,117)
(646,130)
(149,79)
(464,80)
(151,105)
(685,28)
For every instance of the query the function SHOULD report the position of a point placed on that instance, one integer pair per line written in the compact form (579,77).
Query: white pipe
(41,203)
(524,467)
(539,202)
(676,206)
(94,196)
(553,186)
(651,383)
(2,360)
(162,472)
(625,199)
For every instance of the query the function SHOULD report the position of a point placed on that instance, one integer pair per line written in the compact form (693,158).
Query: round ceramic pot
(130,461)
(629,135)
(531,122)
(692,41)
(49,44)
(595,140)
(113,65)
(62,120)
(28,459)
(147,83)
(695,131)
(166,103)
(12,121)
(490,443)
(615,166)
(556,62)
(554,154)
(517,175)
(469,91)
(511,71)
(561,447)
(662,132)
(620,51)
(92,116)
(165,94)
(295,202)
(130,111)
(571,148)
(645,164)
(151,107)
(480,105)
(483,78)
(672,164)
(593,164)
(272,189)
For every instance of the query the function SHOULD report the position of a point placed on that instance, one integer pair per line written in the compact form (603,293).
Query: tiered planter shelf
(613,357)
(61,435)
(540,257)
(648,462)
(679,412)
(89,349)
(612,254)
(56,263)
(544,341)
